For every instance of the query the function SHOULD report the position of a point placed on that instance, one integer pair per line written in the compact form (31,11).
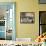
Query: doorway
(42,22)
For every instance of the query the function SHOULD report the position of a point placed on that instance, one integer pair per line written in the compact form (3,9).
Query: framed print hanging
(27,17)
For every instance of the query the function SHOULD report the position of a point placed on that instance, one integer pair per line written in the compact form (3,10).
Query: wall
(27,30)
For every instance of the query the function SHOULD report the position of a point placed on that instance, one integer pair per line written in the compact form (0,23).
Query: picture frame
(27,17)
(42,1)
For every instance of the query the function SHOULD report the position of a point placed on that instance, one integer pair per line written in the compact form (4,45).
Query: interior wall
(42,7)
(27,30)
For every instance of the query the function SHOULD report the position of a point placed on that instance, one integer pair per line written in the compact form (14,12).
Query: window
(42,1)
(42,22)
(7,21)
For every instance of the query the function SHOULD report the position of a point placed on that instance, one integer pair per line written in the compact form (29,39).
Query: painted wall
(27,30)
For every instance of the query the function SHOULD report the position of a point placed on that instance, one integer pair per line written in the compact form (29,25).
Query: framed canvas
(27,17)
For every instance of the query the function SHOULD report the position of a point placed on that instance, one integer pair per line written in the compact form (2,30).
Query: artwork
(27,17)
(42,1)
